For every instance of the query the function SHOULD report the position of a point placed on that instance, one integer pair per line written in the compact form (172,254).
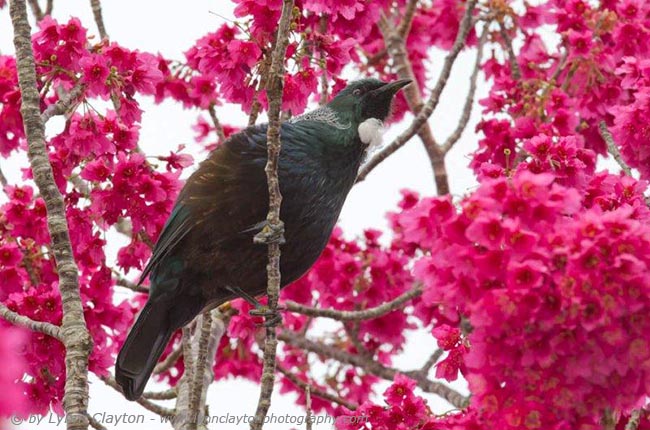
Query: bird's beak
(392,88)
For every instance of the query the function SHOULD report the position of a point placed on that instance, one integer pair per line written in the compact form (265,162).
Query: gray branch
(272,234)
(365,314)
(76,338)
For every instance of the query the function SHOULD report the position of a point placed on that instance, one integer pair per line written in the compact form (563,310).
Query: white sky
(170,28)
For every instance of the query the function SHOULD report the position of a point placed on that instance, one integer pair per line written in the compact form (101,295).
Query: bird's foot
(271,317)
(270,233)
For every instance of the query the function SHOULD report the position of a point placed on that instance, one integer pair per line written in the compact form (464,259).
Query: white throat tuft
(370,132)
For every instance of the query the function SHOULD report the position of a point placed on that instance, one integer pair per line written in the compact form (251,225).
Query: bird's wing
(178,225)
(223,186)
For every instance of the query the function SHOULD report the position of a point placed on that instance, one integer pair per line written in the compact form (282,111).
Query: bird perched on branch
(205,254)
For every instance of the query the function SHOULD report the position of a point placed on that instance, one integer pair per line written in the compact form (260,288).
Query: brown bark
(272,234)
(76,338)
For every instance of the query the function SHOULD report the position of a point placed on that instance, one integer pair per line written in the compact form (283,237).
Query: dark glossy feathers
(207,243)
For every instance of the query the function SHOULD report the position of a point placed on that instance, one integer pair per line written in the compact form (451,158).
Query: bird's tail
(142,349)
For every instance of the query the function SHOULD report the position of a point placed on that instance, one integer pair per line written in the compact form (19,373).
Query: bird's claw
(271,317)
(270,233)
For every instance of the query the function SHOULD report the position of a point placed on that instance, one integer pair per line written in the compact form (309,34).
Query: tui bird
(205,254)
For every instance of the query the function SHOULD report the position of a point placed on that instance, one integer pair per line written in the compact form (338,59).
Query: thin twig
(609,420)
(36,10)
(512,57)
(612,148)
(99,20)
(308,407)
(426,367)
(425,112)
(316,391)
(324,87)
(409,13)
(95,424)
(634,421)
(161,395)
(365,314)
(215,121)
(272,234)
(371,366)
(148,405)
(64,104)
(352,330)
(201,362)
(121,281)
(76,339)
(469,101)
(34,279)
(3,179)
(124,227)
(169,361)
(257,106)
(23,321)
(403,67)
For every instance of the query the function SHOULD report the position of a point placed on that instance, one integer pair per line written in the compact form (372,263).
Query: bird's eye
(356,92)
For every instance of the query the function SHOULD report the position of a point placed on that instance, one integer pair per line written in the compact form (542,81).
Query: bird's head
(367,98)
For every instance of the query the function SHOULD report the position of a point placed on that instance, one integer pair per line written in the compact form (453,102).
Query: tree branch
(308,407)
(257,106)
(169,361)
(272,234)
(396,46)
(612,148)
(99,20)
(365,314)
(23,321)
(148,405)
(64,104)
(469,101)
(316,391)
(512,57)
(76,338)
(161,395)
(426,367)
(121,281)
(36,10)
(373,367)
(215,121)
(324,94)
(3,179)
(182,417)
(420,121)
(409,13)
(201,363)
(95,424)
(634,421)
(199,352)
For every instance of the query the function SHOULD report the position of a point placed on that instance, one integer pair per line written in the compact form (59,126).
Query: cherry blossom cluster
(596,73)
(105,181)
(555,289)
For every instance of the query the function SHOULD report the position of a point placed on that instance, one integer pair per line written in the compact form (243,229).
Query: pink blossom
(95,72)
